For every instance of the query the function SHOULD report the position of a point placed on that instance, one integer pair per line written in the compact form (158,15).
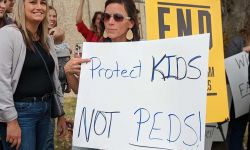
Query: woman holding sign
(121,25)
(237,126)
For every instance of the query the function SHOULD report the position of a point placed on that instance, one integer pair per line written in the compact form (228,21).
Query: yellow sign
(168,18)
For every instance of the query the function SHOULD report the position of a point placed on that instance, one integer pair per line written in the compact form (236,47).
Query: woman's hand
(72,70)
(246,49)
(73,66)
(61,126)
(13,134)
(58,34)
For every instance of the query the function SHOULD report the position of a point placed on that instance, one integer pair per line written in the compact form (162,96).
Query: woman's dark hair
(245,32)
(132,13)
(93,25)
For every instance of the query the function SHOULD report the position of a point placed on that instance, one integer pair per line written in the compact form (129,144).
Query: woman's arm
(11,46)
(79,12)
(73,82)
(81,27)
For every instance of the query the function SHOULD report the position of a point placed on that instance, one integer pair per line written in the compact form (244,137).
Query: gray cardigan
(12,56)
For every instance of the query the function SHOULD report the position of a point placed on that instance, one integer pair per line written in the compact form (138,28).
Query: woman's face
(116,22)
(52,18)
(2,8)
(9,6)
(35,10)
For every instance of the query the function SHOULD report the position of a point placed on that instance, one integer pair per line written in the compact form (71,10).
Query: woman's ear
(131,24)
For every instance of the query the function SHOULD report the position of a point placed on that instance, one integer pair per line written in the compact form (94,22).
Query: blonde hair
(42,31)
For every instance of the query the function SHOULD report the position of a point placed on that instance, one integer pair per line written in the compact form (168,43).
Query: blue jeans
(34,120)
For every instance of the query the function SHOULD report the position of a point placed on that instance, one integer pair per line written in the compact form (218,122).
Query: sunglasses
(117,17)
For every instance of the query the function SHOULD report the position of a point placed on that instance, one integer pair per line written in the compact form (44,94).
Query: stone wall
(66,10)
(234,13)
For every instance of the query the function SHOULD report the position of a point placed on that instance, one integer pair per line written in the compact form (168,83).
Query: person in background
(10,5)
(120,19)
(63,52)
(9,11)
(25,103)
(52,15)
(94,34)
(62,48)
(63,55)
(3,21)
(54,30)
(237,126)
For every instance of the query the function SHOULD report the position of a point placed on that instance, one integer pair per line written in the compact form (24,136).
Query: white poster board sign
(143,95)
(237,73)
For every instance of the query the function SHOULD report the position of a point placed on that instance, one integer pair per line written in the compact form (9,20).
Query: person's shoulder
(10,28)
(10,31)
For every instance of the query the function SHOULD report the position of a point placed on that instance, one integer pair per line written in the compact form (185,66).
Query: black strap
(51,81)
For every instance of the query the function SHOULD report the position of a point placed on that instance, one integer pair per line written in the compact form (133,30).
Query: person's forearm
(73,82)
(79,12)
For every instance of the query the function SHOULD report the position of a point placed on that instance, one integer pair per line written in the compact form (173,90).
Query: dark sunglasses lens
(118,17)
(106,16)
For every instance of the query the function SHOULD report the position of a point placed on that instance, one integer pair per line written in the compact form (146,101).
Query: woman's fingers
(73,66)
(86,60)
(18,143)
(14,143)
(61,127)
(13,134)
(76,67)
(51,31)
